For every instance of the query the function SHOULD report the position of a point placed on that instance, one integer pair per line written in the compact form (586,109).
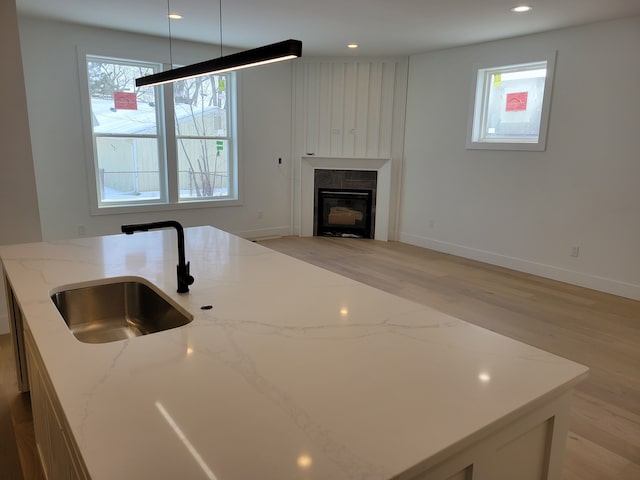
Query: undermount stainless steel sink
(116,309)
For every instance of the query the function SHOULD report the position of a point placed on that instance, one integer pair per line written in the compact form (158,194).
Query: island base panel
(530,448)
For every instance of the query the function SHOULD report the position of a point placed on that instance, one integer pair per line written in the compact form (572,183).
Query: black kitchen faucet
(184,279)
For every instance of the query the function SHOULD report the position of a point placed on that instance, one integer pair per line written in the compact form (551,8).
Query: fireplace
(345,203)
(344,173)
(344,213)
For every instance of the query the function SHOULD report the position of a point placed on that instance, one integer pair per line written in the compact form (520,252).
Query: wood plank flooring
(599,330)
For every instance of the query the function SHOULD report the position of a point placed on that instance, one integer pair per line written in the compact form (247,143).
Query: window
(148,150)
(202,136)
(511,107)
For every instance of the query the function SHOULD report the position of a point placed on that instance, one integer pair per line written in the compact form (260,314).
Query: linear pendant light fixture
(276,52)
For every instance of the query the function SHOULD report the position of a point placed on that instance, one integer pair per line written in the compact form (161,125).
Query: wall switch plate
(575,251)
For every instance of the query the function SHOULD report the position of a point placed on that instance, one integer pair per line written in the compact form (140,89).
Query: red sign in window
(125,101)
(517,101)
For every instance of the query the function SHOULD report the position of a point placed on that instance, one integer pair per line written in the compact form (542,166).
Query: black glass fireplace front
(344,213)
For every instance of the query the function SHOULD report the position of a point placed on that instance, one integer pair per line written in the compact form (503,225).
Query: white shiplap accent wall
(350,108)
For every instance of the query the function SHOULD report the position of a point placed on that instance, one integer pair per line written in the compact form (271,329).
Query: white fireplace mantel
(310,163)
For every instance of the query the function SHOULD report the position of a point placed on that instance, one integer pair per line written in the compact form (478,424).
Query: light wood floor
(599,330)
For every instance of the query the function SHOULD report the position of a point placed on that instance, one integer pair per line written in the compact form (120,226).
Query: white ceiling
(381,27)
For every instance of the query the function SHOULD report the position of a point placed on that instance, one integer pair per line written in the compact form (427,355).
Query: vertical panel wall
(350,108)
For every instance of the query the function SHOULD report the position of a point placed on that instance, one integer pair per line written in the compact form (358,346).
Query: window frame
(229,138)
(480,97)
(159,136)
(168,161)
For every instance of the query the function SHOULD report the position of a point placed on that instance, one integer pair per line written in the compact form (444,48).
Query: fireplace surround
(311,163)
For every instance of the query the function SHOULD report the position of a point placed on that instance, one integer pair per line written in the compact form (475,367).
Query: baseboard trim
(580,279)
(264,233)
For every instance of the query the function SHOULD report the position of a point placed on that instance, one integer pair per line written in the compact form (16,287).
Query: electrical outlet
(82,230)
(260,214)
(432,223)
(575,251)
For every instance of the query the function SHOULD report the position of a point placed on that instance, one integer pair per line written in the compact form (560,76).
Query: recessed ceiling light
(175,16)
(353,45)
(522,9)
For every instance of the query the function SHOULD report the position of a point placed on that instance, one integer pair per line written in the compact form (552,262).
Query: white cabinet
(57,455)
(16,321)
(530,447)
(56,450)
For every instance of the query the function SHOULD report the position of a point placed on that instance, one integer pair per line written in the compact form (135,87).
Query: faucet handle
(184,278)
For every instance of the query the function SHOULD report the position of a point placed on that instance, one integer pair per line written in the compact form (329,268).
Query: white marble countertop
(296,372)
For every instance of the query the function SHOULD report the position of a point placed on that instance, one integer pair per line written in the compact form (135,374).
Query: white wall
(19,217)
(525,210)
(49,51)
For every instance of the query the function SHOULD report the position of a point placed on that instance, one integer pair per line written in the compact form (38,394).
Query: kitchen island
(294,373)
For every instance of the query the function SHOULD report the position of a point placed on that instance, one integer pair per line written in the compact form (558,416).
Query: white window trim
(170,202)
(477,105)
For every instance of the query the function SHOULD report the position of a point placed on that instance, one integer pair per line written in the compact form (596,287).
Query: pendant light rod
(169,27)
(276,52)
(220,24)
